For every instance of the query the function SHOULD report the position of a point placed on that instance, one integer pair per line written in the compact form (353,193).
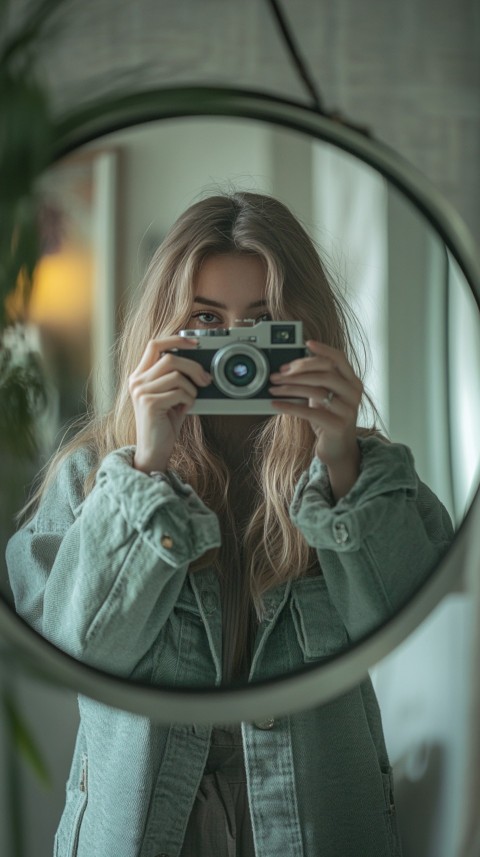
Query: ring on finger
(327,400)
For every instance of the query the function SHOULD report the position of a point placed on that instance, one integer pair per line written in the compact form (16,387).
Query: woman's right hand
(163,387)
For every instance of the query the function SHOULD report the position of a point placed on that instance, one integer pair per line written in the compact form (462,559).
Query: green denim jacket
(106,579)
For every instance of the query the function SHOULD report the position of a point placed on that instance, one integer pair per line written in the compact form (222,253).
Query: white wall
(169,165)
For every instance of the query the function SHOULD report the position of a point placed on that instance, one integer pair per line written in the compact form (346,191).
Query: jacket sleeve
(379,542)
(98,577)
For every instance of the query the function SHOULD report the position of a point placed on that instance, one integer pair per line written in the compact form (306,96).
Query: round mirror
(393,252)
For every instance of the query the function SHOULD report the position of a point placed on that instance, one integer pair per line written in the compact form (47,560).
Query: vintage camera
(240,361)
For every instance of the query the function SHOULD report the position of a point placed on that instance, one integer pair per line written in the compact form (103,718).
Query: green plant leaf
(23,740)
(23,393)
(35,26)
(25,144)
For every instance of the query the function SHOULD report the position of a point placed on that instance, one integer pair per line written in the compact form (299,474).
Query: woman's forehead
(232,275)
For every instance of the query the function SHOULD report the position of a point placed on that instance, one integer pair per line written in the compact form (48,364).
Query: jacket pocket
(320,630)
(186,606)
(68,833)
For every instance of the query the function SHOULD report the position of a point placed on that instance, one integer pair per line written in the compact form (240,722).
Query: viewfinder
(283,334)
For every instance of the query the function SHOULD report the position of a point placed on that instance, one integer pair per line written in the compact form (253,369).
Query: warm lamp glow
(63,289)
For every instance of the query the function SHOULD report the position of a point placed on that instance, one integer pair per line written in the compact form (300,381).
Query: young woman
(184,549)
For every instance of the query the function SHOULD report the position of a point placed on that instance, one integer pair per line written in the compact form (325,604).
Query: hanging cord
(304,73)
(295,55)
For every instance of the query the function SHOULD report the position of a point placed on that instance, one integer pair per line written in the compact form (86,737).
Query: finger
(306,364)
(162,385)
(328,381)
(337,357)
(169,399)
(172,381)
(172,363)
(316,347)
(319,364)
(320,399)
(156,347)
(326,419)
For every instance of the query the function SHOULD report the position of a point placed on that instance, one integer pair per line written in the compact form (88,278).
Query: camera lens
(240,370)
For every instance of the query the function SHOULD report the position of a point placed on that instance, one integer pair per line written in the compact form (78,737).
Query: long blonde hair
(297,287)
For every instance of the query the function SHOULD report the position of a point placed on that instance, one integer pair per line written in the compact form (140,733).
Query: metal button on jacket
(166,542)
(340,533)
(268,723)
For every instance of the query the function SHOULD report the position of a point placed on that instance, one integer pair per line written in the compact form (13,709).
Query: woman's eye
(206,317)
(211,318)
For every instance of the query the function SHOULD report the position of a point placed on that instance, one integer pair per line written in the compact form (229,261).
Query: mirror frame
(315,683)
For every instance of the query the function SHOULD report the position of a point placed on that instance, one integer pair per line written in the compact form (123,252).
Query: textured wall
(409,70)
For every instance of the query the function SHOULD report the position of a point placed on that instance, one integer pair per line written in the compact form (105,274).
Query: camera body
(240,360)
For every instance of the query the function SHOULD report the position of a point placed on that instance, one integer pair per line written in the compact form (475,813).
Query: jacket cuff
(385,468)
(169,514)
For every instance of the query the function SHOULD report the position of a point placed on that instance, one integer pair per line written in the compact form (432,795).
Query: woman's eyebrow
(211,302)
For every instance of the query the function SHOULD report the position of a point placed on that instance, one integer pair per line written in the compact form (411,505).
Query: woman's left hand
(333,392)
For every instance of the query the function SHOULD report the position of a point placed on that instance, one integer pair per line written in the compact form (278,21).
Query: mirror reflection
(321,242)
(186,548)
